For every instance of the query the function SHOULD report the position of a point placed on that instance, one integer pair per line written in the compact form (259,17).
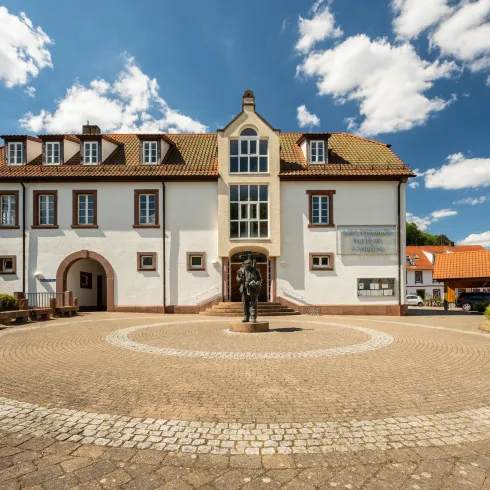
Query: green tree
(415,236)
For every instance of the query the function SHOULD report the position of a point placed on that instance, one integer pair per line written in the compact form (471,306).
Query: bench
(20,317)
(42,314)
(66,310)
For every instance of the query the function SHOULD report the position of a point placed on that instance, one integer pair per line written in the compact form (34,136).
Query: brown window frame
(13,258)
(330,195)
(137,193)
(203,261)
(16,194)
(153,256)
(35,209)
(74,218)
(421,277)
(88,275)
(330,267)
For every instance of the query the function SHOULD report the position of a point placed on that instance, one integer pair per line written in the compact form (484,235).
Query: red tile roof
(423,263)
(463,265)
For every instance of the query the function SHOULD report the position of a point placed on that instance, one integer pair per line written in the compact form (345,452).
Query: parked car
(414,300)
(467,300)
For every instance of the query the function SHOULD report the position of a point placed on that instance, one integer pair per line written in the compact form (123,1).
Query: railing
(217,294)
(294,294)
(42,300)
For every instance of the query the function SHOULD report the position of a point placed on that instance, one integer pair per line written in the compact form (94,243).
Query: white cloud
(460,172)
(388,81)
(413,185)
(414,16)
(477,239)
(30,91)
(443,213)
(422,223)
(130,104)
(305,118)
(23,49)
(472,201)
(318,28)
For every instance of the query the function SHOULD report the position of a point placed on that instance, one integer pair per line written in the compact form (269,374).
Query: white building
(154,222)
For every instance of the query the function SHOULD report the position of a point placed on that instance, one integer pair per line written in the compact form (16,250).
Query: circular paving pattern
(428,386)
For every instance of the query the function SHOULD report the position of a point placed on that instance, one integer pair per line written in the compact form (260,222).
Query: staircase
(236,309)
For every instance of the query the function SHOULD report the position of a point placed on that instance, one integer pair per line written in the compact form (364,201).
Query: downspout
(164,247)
(23,238)
(399,251)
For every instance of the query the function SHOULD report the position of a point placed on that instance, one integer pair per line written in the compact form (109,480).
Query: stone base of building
(249,327)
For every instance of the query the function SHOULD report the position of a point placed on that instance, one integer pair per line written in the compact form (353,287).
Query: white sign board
(367,240)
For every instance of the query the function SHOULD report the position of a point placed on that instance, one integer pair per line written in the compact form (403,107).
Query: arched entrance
(262,264)
(91,280)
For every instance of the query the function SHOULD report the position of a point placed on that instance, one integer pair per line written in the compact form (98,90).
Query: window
(8,264)
(196,261)
(150,152)
(9,209)
(249,154)
(418,277)
(410,261)
(84,209)
(85,280)
(16,153)
(437,293)
(415,256)
(147,261)
(249,211)
(317,151)
(146,209)
(91,152)
(45,213)
(321,261)
(320,209)
(53,153)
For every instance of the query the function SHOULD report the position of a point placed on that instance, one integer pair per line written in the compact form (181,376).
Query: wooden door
(100,300)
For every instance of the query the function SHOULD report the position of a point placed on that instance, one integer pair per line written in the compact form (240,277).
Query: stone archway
(64,267)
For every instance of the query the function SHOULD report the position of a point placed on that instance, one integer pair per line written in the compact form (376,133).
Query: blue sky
(413,73)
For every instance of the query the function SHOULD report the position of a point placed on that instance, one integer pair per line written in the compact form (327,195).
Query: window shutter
(62,152)
(99,148)
(82,149)
(159,152)
(141,151)
(43,153)
(24,152)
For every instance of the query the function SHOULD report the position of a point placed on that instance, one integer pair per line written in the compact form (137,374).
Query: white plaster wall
(427,283)
(164,146)
(107,148)
(70,149)
(192,226)
(355,203)
(34,149)
(11,244)
(86,297)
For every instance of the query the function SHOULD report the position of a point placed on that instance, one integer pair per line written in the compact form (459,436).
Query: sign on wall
(376,287)
(367,240)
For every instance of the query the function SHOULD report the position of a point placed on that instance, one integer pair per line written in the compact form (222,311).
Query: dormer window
(90,152)
(150,152)
(317,151)
(249,153)
(53,153)
(15,153)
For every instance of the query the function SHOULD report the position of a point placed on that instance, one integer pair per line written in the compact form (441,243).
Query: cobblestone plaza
(139,401)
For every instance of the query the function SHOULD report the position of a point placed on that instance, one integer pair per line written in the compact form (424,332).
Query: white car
(414,300)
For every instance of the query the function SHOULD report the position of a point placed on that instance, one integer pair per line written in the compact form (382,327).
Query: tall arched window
(249,153)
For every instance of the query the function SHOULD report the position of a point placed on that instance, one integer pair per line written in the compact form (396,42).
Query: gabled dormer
(95,147)
(153,148)
(314,147)
(58,149)
(21,149)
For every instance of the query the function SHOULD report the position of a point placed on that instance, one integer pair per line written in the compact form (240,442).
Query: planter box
(19,316)
(40,314)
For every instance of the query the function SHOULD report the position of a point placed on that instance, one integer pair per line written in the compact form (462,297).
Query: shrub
(481,306)
(8,303)
(487,312)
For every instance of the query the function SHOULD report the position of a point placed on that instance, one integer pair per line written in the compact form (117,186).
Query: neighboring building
(420,268)
(154,222)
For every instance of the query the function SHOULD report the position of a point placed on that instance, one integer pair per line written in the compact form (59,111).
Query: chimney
(90,129)
(248,101)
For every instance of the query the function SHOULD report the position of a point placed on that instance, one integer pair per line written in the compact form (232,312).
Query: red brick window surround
(147,261)
(320,209)
(45,209)
(321,261)
(85,280)
(84,209)
(146,208)
(196,261)
(8,264)
(9,209)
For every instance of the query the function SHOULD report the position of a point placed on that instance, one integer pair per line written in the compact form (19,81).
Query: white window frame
(16,160)
(150,144)
(321,258)
(317,144)
(147,211)
(248,206)
(85,197)
(48,201)
(146,267)
(11,209)
(194,266)
(320,219)
(91,159)
(248,155)
(50,147)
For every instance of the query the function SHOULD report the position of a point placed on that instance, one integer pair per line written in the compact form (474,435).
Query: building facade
(157,222)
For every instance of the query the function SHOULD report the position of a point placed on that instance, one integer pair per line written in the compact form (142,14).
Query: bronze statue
(250,280)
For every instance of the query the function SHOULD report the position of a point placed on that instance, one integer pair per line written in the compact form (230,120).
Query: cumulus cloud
(388,81)
(472,201)
(413,185)
(459,173)
(30,91)
(422,223)
(443,213)
(23,49)
(477,239)
(130,104)
(321,26)
(305,118)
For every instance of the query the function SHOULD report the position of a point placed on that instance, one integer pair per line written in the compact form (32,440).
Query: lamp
(38,275)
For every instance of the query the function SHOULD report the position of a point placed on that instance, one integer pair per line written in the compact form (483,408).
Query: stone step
(238,314)
(239,307)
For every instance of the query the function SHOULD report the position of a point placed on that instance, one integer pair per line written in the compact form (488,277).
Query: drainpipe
(164,247)
(23,239)
(399,250)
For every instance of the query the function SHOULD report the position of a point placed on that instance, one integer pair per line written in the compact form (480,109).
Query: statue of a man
(250,280)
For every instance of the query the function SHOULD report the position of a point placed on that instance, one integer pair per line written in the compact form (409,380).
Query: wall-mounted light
(283,262)
(38,275)
(215,262)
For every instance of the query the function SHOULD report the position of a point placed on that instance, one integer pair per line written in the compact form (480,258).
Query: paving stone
(95,470)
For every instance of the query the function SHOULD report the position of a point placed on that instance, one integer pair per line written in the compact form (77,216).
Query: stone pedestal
(249,327)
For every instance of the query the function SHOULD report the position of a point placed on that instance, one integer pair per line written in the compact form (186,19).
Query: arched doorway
(91,279)
(262,264)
